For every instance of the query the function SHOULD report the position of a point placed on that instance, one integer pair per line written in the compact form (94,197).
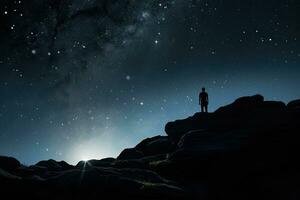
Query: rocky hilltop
(246,150)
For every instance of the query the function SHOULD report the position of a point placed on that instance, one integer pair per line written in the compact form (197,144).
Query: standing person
(203,100)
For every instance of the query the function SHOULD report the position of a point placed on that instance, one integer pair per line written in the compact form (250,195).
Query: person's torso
(203,96)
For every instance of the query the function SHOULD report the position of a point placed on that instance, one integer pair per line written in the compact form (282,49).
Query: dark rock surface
(155,145)
(294,104)
(9,163)
(53,165)
(246,150)
(106,162)
(245,112)
(128,154)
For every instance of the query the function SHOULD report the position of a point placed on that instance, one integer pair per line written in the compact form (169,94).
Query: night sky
(82,79)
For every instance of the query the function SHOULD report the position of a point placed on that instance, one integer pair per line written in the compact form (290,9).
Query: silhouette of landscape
(246,150)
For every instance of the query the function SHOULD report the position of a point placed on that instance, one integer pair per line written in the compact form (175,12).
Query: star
(128,78)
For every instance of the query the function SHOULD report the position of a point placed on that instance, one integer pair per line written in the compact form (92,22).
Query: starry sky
(82,79)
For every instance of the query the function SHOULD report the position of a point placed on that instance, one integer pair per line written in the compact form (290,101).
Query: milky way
(85,79)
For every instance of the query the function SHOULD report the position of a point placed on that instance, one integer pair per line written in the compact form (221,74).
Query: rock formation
(246,150)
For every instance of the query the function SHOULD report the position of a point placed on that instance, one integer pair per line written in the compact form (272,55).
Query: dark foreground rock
(246,150)
(128,154)
(9,163)
(53,165)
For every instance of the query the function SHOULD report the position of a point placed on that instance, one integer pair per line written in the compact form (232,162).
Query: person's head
(203,89)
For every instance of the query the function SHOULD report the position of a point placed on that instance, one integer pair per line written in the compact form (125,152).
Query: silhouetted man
(203,100)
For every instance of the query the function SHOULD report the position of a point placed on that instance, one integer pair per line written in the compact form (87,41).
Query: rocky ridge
(246,150)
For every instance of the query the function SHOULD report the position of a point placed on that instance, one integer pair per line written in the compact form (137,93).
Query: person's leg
(202,108)
(206,110)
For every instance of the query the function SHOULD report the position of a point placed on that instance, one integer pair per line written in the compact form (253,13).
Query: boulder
(9,163)
(24,171)
(273,106)
(106,162)
(243,104)
(142,175)
(155,146)
(4,175)
(53,165)
(294,104)
(34,178)
(149,159)
(177,128)
(251,105)
(130,163)
(38,169)
(128,154)
(206,141)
